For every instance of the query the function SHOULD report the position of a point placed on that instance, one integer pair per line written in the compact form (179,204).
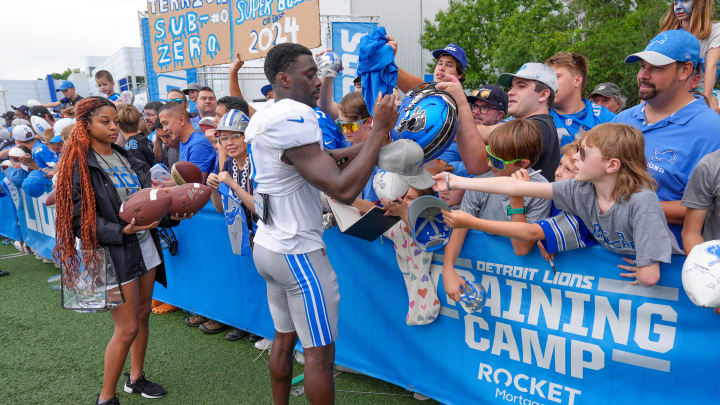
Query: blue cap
(56,139)
(16,175)
(454,51)
(668,47)
(66,84)
(264,90)
(35,184)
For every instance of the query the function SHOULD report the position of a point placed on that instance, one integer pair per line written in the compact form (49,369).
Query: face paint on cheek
(685,7)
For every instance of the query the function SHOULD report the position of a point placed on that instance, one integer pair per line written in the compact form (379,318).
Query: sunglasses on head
(496,162)
(349,126)
(175,100)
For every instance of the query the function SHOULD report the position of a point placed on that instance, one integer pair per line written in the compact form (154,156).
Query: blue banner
(37,223)
(581,336)
(345,40)
(9,196)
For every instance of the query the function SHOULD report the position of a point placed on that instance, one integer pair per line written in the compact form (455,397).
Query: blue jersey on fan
(570,125)
(332,137)
(43,156)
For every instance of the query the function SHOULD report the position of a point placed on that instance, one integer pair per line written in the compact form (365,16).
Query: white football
(389,185)
(701,274)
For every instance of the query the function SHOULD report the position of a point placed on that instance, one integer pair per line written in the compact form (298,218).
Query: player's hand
(132,228)
(392,43)
(457,218)
(452,283)
(237,63)
(441,180)
(385,114)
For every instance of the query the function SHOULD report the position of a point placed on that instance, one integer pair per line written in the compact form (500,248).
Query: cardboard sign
(186,34)
(260,24)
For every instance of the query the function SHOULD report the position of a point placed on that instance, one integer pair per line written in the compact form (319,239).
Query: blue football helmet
(429,117)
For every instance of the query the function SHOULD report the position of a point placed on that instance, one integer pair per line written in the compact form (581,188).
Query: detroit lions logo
(231,215)
(715,251)
(668,156)
(131,144)
(659,40)
(414,123)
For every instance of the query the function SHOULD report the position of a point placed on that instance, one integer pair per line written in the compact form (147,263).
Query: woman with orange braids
(94,177)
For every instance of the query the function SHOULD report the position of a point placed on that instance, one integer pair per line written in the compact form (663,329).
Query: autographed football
(189,198)
(50,200)
(186,172)
(146,206)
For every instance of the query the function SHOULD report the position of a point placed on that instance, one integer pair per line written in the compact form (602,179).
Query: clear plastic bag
(94,291)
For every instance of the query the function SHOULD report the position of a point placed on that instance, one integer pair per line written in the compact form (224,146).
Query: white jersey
(294,224)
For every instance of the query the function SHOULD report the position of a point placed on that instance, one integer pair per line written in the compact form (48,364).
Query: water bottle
(472,296)
(54,282)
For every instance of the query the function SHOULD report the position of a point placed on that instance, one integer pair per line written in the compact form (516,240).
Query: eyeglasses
(175,100)
(496,162)
(349,126)
(483,109)
(234,137)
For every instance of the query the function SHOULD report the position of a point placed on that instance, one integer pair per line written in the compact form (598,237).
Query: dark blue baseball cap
(493,95)
(429,231)
(453,50)
(66,84)
(668,47)
(264,90)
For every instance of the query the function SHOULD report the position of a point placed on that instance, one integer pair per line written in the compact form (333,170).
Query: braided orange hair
(74,157)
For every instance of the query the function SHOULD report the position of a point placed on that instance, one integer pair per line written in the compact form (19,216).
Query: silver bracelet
(447,180)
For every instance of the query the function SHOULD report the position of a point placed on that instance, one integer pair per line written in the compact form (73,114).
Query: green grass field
(52,356)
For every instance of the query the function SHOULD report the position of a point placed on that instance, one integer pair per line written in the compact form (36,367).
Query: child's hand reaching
(646,275)
(452,283)
(457,218)
(442,180)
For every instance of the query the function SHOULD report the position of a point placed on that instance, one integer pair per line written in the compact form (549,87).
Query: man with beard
(679,128)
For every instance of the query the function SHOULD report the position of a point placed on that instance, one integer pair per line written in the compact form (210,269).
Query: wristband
(511,211)
(447,182)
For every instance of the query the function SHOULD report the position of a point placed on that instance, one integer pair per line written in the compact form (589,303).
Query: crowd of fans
(640,181)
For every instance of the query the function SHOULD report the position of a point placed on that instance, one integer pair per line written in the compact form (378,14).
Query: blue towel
(376,67)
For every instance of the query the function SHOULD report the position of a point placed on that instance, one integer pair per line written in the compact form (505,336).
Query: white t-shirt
(294,225)
(713,41)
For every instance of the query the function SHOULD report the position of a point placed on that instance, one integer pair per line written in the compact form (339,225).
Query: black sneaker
(111,401)
(254,338)
(144,387)
(236,334)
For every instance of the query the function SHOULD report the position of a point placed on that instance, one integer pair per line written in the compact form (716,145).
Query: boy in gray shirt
(636,227)
(513,146)
(701,197)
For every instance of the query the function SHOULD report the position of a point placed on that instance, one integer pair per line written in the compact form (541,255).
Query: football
(189,198)
(146,206)
(186,172)
(50,200)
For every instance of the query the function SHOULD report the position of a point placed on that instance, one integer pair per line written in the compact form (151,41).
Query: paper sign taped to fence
(261,24)
(186,34)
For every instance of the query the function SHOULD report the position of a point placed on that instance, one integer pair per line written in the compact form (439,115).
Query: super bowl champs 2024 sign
(193,33)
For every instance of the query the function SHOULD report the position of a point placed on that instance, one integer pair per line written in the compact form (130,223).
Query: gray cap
(607,89)
(4,133)
(405,157)
(234,121)
(428,229)
(192,86)
(532,71)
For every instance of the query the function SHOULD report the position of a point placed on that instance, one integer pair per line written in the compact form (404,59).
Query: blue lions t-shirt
(570,125)
(114,97)
(199,151)
(332,137)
